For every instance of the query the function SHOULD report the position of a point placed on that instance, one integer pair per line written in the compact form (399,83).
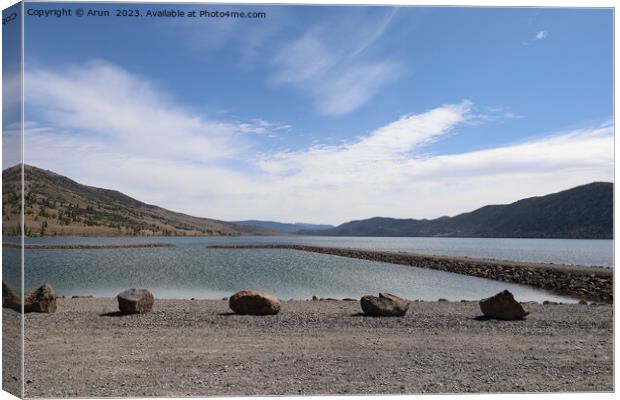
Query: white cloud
(541,35)
(109,104)
(379,175)
(108,128)
(329,64)
(11,145)
(11,96)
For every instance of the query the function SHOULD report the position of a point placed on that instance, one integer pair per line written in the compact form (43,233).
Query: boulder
(502,306)
(252,302)
(42,300)
(135,301)
(386,305)
(10,299)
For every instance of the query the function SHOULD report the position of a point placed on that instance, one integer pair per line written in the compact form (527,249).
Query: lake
(192,270)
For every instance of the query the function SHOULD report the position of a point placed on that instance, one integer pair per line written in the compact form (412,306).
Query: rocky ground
(197,347)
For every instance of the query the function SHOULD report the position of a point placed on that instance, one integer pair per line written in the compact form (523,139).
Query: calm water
(192,270)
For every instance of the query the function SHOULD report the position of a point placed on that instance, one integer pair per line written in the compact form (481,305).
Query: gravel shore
(197,347)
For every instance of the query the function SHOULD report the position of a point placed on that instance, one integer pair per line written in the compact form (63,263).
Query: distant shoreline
(592,283)
(86,246)
(294,234)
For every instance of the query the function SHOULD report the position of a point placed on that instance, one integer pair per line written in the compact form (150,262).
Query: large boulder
(42,300)
(10,299)
(502,306)
(252,302)
(135,301)
(386,305)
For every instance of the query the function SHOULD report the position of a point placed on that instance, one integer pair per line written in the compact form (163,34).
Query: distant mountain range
(282,227)
(56,205)
(581,212)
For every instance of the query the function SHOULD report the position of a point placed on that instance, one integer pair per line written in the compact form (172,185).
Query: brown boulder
(252,302)
(10,299)
(42,300)
(502,306)
(386,305)
(135,301)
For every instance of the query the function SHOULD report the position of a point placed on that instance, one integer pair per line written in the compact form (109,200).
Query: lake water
(191,269)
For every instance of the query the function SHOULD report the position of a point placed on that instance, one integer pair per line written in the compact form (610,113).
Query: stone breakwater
(591,283)
(87,246)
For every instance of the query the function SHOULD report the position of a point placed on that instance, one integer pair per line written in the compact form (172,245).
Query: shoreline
(590,283)
(199,348)
(82,246)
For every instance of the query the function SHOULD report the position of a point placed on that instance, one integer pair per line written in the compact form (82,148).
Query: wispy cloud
(111,105)
(382,175)
(11,96)
(103,126)
(11,116)
(329,63)
(541,35)
(358,161)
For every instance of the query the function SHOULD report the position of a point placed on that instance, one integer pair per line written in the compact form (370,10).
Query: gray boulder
(135,301)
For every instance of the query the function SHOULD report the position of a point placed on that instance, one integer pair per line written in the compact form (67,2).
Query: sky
(321,114)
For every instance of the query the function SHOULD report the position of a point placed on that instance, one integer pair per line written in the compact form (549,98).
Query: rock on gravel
(42,300)
(386,305)
(502,306)
(10,299)
(135,301)
(252,302)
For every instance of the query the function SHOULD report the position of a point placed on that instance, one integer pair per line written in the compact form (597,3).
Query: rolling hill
(282,227)
(581,212)
(57,205)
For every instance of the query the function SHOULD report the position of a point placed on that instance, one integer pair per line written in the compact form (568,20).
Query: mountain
(56,205)
(282,227)
(584,212)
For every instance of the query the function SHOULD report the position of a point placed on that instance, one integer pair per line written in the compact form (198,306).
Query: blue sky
(323,114)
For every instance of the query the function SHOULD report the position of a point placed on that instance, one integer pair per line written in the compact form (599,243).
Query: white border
(476,3)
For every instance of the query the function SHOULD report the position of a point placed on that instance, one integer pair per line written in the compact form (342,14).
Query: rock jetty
(590,283)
